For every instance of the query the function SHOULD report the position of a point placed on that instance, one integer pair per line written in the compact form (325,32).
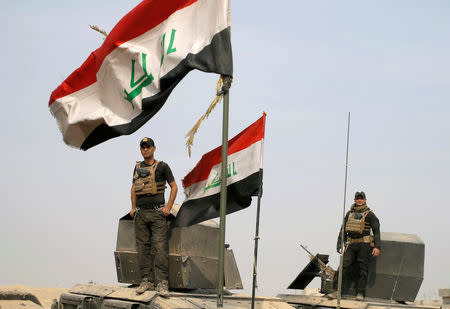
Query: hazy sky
(307,64)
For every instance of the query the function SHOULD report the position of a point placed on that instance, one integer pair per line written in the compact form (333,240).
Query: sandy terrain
(45,295)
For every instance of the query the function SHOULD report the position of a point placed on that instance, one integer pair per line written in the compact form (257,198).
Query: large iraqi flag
(125,82)
(244,177)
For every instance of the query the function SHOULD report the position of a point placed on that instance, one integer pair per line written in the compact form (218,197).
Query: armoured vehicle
(193,263)
(16,298)
(394,278)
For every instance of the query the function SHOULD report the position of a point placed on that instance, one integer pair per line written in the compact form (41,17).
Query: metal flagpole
(256,241)
(223,189)
(341,259)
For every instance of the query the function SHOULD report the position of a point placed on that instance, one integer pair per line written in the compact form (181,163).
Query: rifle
(330,272)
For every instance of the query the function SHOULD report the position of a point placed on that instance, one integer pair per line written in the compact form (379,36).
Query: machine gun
(323,267)
(327,273)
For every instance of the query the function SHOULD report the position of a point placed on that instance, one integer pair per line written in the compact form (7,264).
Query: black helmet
(360,194)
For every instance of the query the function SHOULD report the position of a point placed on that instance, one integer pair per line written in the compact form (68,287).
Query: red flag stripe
(249,136)
(147,15)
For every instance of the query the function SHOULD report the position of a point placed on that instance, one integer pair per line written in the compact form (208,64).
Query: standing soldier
(150,225)
(359,244)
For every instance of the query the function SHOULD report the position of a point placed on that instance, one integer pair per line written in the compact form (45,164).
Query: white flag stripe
(262,154)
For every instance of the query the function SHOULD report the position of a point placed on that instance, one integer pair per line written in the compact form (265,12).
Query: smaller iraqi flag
(244,177)
(127,80)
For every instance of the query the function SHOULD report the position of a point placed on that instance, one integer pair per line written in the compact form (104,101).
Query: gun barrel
(310,254)
(320,263)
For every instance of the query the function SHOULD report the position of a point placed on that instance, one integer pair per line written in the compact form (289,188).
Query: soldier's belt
(367,239)
(154,207)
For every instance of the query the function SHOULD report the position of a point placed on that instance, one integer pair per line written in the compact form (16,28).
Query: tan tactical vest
(147,185)
(356,222)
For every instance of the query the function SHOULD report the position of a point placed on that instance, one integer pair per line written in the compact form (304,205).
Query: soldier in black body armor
(359,244)
(150,211)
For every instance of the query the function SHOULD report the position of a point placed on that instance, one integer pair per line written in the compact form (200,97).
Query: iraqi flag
(125,82)
(244,177)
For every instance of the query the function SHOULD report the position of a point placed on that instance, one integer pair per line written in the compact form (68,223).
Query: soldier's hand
(132,212)
(339,249)
(165,210)
(375,252)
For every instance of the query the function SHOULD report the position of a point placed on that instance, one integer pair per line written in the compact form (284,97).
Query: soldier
(359,244)
(150,211)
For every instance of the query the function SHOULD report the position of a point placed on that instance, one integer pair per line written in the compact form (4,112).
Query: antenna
(338,305)
(396,280)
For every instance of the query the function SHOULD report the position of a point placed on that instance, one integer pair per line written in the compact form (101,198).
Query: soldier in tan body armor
(360,245)
(150,211)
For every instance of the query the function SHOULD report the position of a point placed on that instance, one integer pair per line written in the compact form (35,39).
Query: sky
(307,64)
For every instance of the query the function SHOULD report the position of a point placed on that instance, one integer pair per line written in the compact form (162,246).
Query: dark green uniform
(151,229)
(359,250)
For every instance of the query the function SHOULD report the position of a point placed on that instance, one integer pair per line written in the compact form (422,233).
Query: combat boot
(145,285)
(163,288)
(360,296)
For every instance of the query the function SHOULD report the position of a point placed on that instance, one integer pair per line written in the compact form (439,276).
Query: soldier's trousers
(361,253)
(150,227)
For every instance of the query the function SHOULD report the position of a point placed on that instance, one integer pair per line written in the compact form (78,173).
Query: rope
(219,94)
(94,27)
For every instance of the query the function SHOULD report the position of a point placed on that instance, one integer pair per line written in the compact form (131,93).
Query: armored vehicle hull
(318,301)
(15,299)
(193,257)
(91,296)
(193,263)
(394,277)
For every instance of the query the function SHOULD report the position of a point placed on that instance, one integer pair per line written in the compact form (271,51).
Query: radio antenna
(338,305)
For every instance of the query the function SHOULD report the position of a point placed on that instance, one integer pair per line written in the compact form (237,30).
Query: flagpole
(223,190)
(341,258)
(256,241)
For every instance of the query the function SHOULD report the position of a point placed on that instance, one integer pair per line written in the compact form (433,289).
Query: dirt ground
(44,295)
